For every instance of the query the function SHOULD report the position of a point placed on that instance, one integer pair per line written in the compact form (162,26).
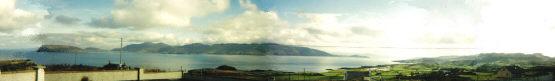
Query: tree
(488,68)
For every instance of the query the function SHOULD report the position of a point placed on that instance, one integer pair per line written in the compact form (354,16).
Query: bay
(173,62)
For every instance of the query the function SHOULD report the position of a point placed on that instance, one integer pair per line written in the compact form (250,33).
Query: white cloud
(527,27)
(12,18)
(401,30)
(105,39)
(402,26)
(328,29)
(251,26)
(140,14)
(490,26)
(248,5)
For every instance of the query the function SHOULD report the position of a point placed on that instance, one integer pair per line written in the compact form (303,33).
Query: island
(67,48)
(224,49)
(59,48)
(199,48)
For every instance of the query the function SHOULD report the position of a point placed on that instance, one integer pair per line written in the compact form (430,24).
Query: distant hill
(68,48)
(146,47)
(59,48)
(502,59)
(225,49)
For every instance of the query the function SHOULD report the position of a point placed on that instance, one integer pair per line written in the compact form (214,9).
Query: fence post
(140,72)
(304,74)
(182,72)
(39,73)
(289,76)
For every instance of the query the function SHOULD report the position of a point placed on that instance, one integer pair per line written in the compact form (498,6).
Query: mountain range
(198,48)
(58,48)
(224,49)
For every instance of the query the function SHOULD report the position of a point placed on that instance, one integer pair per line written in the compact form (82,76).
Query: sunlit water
(188,61)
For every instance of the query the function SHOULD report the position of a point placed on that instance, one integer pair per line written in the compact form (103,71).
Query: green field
(307,77)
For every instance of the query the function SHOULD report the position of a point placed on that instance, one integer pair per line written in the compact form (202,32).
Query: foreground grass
(308,77)
(329,75)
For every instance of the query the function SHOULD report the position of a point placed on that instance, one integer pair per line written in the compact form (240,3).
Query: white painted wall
(94,76)
(77,76)
(164,75)
(18,76)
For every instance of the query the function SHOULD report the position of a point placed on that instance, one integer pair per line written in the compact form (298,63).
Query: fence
(29,75)
(114,75)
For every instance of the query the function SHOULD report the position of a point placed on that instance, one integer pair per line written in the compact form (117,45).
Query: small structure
(509,72)
(356,75)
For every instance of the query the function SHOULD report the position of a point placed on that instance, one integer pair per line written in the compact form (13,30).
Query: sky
(390,28)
